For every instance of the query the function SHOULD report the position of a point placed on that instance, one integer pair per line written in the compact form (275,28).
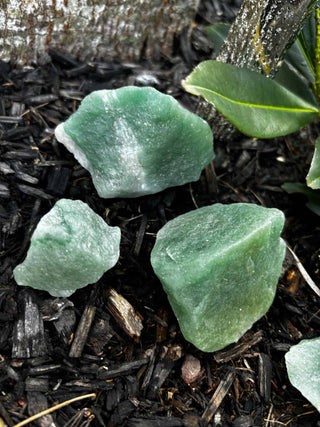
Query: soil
(53,350)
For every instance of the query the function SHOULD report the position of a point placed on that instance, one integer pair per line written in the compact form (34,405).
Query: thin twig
(291,419)
(269,419)
(54,408)
(192,197)
(304,272)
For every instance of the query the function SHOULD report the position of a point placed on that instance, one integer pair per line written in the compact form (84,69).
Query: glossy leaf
(256,105)
(307,40)
(217,34)
(313,177)
(290,77)
(297,60)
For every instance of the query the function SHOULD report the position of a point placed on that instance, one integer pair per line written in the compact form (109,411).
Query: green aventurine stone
(220,266)
(70,248)
(303,366)
(136,141)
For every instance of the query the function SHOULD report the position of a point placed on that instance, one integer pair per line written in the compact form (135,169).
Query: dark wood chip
(124,314)
(123,369)
(218,396)
(237,349)
(33,191)
(265,374)
(28,337)
(82,332)
(37,402)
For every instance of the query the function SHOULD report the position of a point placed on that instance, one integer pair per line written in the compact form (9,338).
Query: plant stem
(317,55)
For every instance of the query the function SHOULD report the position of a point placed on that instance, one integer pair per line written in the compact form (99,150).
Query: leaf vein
(267,107)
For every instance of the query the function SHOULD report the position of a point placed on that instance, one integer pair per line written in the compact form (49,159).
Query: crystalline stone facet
(71,247)
(220,266)
(136,141)
(303,366)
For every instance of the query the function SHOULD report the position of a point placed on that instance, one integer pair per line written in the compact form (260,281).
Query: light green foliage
(136,141)
(303,366)
(255,104)
(71,247)
(220,266)
(313,177)
(258,106)
(217,34)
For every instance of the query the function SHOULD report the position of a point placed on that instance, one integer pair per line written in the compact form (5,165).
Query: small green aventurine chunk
(303,366)
(220,267)
(136,141)
(71,247)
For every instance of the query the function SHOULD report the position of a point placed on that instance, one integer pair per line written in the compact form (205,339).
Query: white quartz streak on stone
(72,147)
(129,154)
(136,141)
(128,147)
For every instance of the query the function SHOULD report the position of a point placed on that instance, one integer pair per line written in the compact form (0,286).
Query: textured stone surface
(136,141)
(71,247)
(303,366)
(220,266)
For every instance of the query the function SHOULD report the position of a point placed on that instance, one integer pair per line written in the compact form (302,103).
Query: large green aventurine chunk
(71,247)
(303,366)
(220,266)
(136,141)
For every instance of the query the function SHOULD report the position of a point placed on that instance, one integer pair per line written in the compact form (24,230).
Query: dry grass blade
(54,408)
(304,272)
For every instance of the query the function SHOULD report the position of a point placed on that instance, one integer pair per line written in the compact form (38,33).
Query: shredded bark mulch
(117,343)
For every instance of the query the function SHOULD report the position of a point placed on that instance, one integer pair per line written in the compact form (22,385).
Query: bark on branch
(92,30)
(258,39)
(262,32)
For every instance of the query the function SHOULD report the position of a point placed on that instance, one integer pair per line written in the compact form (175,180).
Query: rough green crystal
(136,141)
(71,247)
(303,366)
(220,266)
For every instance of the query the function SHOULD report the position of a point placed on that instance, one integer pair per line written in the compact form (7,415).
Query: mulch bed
(53,350)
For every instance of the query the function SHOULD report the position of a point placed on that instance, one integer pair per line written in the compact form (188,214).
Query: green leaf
(313,196)
(217,34)
(298,60)
(313,177)
(255,104)
(307,40)
(303,366)
(290,78)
